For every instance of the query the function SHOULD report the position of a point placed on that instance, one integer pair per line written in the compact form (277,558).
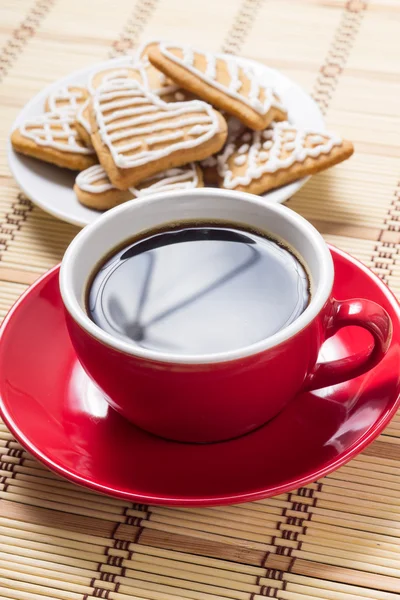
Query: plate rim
(13,157)
(284,487)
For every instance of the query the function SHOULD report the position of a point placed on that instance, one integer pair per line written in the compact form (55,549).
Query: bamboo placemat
(337,538)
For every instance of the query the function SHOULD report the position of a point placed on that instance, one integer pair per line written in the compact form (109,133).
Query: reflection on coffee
(195,288)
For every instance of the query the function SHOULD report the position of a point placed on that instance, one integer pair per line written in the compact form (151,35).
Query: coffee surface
(195,289)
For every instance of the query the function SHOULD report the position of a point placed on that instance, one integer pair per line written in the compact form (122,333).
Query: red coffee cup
(215,397)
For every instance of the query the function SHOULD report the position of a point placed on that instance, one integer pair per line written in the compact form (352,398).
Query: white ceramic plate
(50,187)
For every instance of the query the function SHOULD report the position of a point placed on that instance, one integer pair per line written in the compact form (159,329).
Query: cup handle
(362,313)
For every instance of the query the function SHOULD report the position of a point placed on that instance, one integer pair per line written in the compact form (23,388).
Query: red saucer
(56,413)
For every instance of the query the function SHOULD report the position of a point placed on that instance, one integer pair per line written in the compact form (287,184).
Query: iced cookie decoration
(258,161)
(137,135)
(222,81)
(157,82)
(141,70)
(53,137)
(114,75)
(69,98)
(94,189)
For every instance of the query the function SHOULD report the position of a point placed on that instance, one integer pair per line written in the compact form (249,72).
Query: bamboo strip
(68,584)
(9,541)
(7,559)
(330,530)
(324,585)
(29,591)
(191,572)
(235,569)
(347,559)
(356,523)
(390,503)
(219,517)
(76,495)
(155,580)
(365,477)
(159,521)
(13,492)
(47,538)
(338,486)
(350,545)
(295,592)
(361,508)
(63,506)
(207,535)
(153,591)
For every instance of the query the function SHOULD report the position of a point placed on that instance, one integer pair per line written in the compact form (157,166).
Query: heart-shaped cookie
(136,134)
(53,137)
(258,161)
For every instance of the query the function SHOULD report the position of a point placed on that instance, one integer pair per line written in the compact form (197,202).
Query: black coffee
(196,288)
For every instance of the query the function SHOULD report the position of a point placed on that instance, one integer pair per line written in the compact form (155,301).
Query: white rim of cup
(78,314)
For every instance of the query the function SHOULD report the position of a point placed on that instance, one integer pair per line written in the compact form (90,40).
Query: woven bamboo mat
(338,538)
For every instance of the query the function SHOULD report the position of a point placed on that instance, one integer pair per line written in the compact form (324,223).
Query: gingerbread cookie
(83,123)
(258,161)
(222,81)
(157,82)
(94,189)
(53,137)
(69,98)
(136,134)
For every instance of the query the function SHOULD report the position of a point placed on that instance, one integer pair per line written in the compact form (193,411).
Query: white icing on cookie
(73,99)
(54,130)
(80,117)
(243,148)
(240,160)
(138,69)
(180,178)
(109,76)
(126,116)
(281,154)
(88,180)
(235,70)
(94,180)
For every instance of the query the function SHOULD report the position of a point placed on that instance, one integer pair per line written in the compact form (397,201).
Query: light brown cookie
(221,81)
(53,137)
(82,123)
(69,98)
(157,82)
(258,161)
(113,75)
(94,189)
(136,135)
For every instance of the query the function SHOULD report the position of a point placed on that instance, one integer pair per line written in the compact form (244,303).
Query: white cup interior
(124,222)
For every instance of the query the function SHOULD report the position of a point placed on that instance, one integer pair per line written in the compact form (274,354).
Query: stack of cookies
(174,118)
